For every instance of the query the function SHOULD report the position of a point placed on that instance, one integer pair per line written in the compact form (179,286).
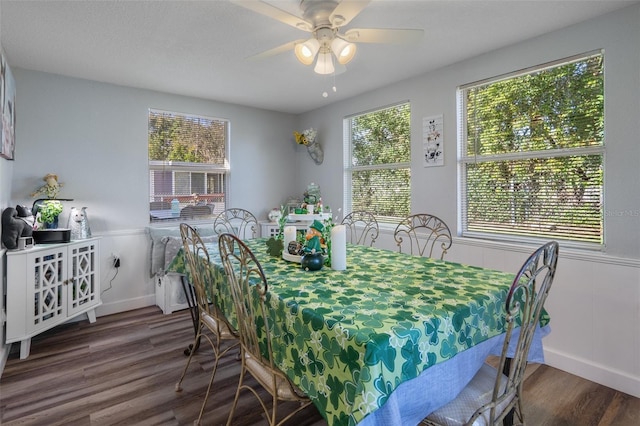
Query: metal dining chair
(249,289)
(210,317)
(362,228)
(494,393)
(423,233)
(239,222)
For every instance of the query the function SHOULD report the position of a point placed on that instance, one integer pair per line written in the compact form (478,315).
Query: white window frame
(184,167)
(464,159)
(349,168)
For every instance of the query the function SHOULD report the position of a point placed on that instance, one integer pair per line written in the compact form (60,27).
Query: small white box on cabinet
(48,285)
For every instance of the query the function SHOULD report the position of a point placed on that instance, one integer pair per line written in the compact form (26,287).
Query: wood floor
(122,370)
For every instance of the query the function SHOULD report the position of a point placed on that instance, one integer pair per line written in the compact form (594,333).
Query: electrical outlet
(116,262)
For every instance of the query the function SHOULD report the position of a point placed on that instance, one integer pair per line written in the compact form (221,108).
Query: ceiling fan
(325,20)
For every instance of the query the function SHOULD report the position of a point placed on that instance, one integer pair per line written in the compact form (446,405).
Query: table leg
(193,310)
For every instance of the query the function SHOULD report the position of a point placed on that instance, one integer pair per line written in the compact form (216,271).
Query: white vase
(79,224)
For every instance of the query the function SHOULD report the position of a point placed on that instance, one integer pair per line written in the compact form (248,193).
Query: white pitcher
(79,224)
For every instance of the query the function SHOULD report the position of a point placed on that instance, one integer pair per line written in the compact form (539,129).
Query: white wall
(6,172)
(94,137)
(595,302)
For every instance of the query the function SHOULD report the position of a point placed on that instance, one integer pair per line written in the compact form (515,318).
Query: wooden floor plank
(123,368)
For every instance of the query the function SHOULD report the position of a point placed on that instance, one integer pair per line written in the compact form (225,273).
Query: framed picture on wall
(7,110)
(433,143)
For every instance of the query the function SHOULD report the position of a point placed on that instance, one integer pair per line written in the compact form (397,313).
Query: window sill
(573,253)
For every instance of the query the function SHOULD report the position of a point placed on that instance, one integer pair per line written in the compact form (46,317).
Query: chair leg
(508,419)
(178,387)
(206,396)
(274,409)
(193,311)
(235,400)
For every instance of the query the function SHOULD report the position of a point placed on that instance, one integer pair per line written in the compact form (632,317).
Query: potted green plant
(49,211)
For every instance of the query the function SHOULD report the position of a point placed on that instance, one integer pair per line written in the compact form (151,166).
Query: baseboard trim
(125,305)
(598,373)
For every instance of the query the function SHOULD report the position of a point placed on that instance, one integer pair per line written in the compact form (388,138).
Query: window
(532,153)
(377,162)
(188,166)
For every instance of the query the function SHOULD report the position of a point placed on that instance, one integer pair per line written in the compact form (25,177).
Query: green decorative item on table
(282,221)
(326,236)
(313,258)
(275,245)
(313,242)
(312,261)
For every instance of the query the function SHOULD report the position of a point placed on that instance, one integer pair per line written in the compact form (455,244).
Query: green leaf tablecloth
(349,338)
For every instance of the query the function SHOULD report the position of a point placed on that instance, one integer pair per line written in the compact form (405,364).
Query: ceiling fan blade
(381,35)
(273,12)
(276,50)
(346,11)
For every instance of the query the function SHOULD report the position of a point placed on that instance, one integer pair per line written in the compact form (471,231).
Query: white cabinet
(269,229)
(48,285)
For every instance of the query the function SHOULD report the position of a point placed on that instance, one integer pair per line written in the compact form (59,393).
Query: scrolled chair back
(247,281)
(253,310)
(197,262)
(239,222)
(494,393)
(362,228)
(423,234)
(524,306)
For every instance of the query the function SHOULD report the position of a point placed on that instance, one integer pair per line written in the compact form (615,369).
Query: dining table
(386,341)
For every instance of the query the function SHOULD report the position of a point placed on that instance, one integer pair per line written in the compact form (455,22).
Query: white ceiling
(199,48)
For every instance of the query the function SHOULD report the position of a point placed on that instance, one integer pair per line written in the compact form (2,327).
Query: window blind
(187,165)
(377,162)
(532,153)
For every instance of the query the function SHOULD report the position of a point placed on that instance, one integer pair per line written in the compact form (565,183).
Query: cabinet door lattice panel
(48,287)
(82,280)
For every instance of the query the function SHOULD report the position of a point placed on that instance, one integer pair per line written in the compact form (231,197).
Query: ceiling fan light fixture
(343,50)
(324,64)
(306,52)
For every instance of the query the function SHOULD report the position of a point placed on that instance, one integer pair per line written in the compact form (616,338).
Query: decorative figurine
(295,248)
(314,238)
(308,139)
(274,246)
(13,228)
(313,259)
(275,215)
(312,194)
(51,188)
(79,224)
